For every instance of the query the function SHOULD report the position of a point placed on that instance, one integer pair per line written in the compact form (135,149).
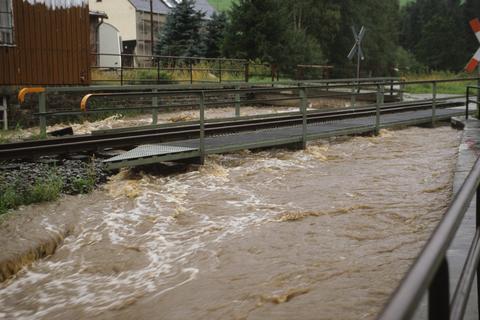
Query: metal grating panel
(149,150)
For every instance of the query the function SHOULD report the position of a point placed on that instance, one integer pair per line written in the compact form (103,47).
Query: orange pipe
(24,91)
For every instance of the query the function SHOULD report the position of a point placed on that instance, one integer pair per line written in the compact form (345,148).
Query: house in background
(132,19)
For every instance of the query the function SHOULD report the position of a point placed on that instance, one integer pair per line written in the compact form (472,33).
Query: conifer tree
(182,34)
(215,34)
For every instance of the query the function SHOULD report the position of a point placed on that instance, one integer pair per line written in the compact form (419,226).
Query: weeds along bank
(24,183)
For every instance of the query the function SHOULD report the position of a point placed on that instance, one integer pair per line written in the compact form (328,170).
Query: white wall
(121,14)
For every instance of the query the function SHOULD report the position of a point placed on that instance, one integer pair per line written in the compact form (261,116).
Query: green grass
(15,195)
(221,5)
(442,88)
(405,2)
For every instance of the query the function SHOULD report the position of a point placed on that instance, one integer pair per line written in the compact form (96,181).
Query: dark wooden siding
(51,47)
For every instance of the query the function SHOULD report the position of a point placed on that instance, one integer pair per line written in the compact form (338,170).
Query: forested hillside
(401,35)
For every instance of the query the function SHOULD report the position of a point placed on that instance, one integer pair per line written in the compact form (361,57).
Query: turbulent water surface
(324,233)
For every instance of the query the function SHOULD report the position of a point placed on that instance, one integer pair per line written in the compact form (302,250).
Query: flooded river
(325,233)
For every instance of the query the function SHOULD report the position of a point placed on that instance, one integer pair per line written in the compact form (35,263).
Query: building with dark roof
(132,19)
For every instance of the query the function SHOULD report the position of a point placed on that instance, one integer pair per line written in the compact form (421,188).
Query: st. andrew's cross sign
(357,47)
(475,24)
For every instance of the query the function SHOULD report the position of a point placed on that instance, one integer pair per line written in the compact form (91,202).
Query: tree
(182,35)
(215,35)
(257,30)
(436,32)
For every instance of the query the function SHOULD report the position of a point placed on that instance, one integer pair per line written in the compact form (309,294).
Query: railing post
(202,128)
(478,94)
(434,101)
(237,102)
(247,71)
(353,97)
(477,224)
(191,70)
(5,114)
(467,102)
(121,72)
(402,89)
(220,70)
(155,106)
(158,71)
(42,109)
(391,87)
(380,97)
(439,294)
(303,110)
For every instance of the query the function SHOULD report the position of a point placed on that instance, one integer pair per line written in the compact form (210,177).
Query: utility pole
(151,28)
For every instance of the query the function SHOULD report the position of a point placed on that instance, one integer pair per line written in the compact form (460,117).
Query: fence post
(202,127)
(220,70)
(303,110)
(191,71)
(42,108)
(353,98)
(158,71)
(121,71)
(439,294)
(155,106)
(402,88)
(466,104)
(5,114)
(434,102)
(247,71)
(380,94)
(237,102)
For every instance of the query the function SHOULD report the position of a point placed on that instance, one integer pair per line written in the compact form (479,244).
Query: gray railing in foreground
(430,270)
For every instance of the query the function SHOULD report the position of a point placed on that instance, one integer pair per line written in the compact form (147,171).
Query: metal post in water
(237,102)
(155,107)
(303,110)
(42,109)
(202,128)
(434,101)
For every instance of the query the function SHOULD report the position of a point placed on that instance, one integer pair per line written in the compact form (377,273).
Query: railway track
(190,130)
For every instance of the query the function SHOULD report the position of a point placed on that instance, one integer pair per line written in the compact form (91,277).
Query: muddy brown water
(325,233)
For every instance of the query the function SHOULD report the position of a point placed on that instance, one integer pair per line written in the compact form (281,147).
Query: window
(6,23)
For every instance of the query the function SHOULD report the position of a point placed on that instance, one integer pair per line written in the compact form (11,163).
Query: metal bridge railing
(469,100)
(430,271)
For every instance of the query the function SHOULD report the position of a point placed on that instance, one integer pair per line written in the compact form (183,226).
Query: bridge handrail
(266,89)
(430,270)
(468,100)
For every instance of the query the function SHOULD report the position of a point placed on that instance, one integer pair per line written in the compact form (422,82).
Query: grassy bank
(36,183)
(442,88)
